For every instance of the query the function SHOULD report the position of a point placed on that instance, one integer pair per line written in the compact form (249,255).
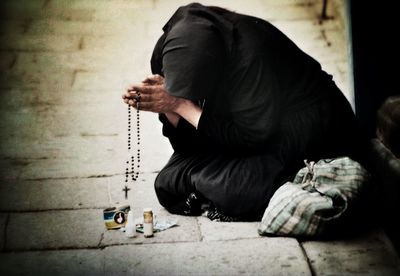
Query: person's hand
(151,95)
(172,117)
(131,97)
(153,80)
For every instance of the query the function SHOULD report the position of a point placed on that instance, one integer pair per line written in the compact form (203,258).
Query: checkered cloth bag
(318,198)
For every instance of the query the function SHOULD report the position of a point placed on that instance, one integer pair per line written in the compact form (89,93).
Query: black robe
(267,106)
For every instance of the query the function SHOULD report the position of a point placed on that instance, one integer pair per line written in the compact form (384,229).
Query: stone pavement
(63,67)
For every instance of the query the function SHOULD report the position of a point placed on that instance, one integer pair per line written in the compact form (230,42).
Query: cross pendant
(126,189)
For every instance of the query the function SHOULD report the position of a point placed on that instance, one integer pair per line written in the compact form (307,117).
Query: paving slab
(368,254)
(76,113)
(49,119)
(74,129)
(19,103)
(55,27)
(52,61)
(8,172)
(12,122)
(13,26)
(72,14)
(93,80)
(22,42)
(3,220)
(309,26)
(52,194)
(106,161)
(55,230)
(67,168)
(288,12)
(7,60)
(102,5)
(145,10)
(37,80)
(20,9)
(220,231)
(77,147)
(117,45)
(61,262)
(142,193)
(255,8)
(267,256)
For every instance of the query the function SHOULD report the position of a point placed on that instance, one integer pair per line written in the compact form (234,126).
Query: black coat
(267,106)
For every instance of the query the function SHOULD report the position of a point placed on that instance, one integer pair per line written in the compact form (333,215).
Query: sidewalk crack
(50,210)
(13,61)
(100,241)
(74,177)
(201,237)
(5,232)
(303,250)
(76,71)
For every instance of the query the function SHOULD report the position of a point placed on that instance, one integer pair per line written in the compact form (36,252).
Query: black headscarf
(192,51)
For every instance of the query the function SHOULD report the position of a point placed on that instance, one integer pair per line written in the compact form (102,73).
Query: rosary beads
(130,163)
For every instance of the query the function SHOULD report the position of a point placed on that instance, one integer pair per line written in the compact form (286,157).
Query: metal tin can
(115,217)
(148,222)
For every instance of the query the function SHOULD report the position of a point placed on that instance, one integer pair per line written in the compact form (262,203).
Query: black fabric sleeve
(255,108)
(193,56)
(229,136)
(183,138)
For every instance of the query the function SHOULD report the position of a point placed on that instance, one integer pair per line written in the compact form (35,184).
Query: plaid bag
(319,196)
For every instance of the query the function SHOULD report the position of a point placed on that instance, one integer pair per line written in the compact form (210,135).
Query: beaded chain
(130,163)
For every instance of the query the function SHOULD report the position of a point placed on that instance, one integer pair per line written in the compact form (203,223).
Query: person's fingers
(126,100)
(129,87)
(131,95)
(149,80)
(153,79)
(138,96)
(135,104)
(143,89)
(144,106)
(144,98)
(127,95)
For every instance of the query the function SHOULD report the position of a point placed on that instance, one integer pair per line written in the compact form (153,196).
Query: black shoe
(214,214)
(193,205)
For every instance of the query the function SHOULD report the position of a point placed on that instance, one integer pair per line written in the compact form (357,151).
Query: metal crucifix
(126,190)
